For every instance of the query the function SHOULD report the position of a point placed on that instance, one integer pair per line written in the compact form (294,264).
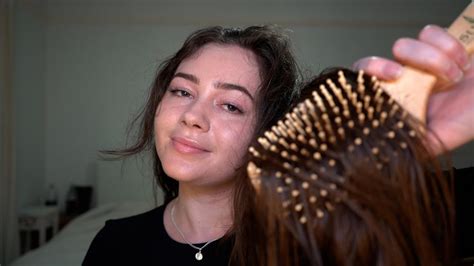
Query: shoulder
(142,221)
(125,237)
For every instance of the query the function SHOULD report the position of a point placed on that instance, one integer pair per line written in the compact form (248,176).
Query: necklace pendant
(198,255)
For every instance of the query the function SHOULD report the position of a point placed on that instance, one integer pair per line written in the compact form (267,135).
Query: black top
(142,240)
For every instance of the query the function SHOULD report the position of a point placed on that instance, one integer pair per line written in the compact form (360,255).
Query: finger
(451,115)
(441,39)
(377,66)
(427,57)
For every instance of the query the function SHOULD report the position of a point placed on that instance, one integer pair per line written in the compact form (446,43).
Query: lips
(187,146)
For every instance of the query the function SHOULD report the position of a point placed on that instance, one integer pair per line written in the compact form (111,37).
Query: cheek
(158,121)
(162,121)
(166,114)
(238,138)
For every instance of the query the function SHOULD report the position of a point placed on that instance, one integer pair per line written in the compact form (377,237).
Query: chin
(180,174)
(196,177)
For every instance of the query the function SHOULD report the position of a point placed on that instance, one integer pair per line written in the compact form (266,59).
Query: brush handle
(413,88)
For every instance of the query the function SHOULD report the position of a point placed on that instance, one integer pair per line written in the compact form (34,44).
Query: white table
(38,218)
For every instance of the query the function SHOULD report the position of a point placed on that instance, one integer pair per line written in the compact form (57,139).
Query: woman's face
(206,119)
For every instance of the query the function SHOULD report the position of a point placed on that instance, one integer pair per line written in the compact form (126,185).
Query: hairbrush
(346,178)
(414,87)
(309,147)
(349,153)
(340,123)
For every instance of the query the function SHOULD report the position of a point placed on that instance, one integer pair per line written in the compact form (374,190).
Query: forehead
(224,63)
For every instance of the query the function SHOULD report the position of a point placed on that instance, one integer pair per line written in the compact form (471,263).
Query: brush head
(343,126)
(346,178)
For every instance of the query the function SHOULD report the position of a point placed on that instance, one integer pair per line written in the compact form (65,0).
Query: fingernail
(464,61)
(394,71)
(455,76)
(453,73)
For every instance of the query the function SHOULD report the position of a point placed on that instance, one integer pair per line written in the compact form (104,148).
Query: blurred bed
(121,192)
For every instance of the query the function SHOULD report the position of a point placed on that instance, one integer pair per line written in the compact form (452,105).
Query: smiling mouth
(187,147)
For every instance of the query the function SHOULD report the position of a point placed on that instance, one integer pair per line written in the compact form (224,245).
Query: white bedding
(70,245)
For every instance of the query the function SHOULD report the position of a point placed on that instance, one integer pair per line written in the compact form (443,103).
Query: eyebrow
(186,76)
(219,85)
(230,86)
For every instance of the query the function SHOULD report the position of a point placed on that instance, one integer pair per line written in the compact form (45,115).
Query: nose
(196,117)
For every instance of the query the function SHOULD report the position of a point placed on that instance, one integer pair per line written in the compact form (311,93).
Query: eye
(180,92)
(232,108)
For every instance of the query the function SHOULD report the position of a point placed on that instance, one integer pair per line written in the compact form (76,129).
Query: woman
(205,106)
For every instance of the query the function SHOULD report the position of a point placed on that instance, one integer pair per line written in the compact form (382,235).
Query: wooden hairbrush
(344,121)
(413,88)
(349,120)
(339,165)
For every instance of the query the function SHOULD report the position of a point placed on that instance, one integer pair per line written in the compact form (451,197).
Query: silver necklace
(198,255)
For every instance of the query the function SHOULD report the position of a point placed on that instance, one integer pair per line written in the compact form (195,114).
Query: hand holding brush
(450,104)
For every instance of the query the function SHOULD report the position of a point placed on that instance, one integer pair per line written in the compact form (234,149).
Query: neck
(201,214)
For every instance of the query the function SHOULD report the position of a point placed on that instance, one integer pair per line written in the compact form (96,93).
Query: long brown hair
(346,179)
(278,72)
